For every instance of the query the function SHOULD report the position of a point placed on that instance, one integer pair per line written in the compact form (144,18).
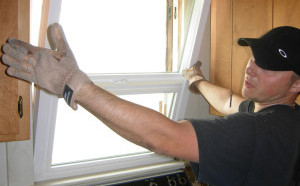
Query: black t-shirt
(249,148)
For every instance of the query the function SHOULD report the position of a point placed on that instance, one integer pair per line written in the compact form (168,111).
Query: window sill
(117,176)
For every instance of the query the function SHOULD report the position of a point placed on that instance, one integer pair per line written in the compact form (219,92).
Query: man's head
(272,75)
(269,87)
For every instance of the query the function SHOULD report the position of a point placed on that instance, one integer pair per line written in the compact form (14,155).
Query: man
(260,144)
(241,149)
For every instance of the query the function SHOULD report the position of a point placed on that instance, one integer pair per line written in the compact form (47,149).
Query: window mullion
(137,79)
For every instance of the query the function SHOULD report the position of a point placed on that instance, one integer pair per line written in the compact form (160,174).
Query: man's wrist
(78,80)
(196,79)
(194,84)
(197,82)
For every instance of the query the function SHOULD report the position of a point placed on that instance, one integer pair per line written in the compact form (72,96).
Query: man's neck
(290,101)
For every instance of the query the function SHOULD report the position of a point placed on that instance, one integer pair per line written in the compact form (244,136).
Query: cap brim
(247,41)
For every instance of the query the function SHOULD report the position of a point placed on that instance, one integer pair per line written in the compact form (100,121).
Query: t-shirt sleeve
(246,106)
(226,147)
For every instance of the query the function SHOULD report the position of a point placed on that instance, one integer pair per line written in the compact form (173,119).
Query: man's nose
(251,68)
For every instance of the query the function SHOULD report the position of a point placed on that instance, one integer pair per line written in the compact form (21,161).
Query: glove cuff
(76,82)
(192,87)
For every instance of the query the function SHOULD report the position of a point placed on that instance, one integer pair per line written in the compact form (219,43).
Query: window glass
(79,136)
(126,36)
(116,36)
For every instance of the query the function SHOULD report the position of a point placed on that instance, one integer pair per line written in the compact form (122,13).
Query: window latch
(175,12)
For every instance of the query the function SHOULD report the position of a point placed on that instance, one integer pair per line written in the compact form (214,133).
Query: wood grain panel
(8,86)
(221,34)
(14,22)
(24,87)
(251,19)
(286,13)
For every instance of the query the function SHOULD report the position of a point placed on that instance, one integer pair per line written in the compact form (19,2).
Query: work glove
(54,70)
(194,74)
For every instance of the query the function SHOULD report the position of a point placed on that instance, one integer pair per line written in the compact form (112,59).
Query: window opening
(147,81)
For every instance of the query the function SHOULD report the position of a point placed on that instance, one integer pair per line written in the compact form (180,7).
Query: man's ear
(295,88)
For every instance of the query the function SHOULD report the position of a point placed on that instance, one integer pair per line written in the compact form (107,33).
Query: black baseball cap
(277,50)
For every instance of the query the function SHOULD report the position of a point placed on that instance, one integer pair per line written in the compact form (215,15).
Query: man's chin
(246,94)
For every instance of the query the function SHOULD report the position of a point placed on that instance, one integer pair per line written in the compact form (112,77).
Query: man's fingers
(58,38)
(19,64)
(21,46)
(198,64)
(16,54)
(11,51)
(20,74)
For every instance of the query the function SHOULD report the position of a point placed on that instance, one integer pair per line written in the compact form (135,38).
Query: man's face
(265,86)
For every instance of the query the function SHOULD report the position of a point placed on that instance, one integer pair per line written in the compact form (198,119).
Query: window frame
(119,84)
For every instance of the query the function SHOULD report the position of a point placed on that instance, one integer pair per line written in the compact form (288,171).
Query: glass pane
(116,36)
(79,136)
(122,36)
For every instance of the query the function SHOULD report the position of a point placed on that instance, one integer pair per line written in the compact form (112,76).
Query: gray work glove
(54,70)
(194,74)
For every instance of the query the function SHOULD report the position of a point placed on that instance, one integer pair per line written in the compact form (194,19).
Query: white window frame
(119,84)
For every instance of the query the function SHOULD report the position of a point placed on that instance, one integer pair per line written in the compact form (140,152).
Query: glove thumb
(197,65)
(58,40)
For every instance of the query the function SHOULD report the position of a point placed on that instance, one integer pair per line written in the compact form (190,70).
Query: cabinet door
(286,13)
(230,20)
(14,94)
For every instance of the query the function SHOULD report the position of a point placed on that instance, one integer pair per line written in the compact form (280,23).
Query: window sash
(45,139)
(119,84)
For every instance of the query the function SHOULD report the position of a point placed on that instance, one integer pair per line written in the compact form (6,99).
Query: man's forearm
(219,97)
(139,124)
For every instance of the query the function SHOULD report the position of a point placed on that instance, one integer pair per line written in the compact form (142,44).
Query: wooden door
(14,94)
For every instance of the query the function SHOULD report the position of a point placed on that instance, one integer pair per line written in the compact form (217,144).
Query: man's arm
(217,96)
(140,125)
(57,71)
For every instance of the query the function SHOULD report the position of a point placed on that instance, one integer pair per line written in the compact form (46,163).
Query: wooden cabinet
(14,94)
(232,19)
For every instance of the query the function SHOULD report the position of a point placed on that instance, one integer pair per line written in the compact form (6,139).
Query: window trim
(44,134)
(191,51)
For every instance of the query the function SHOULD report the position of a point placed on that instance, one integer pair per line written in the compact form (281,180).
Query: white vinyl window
(135,49)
